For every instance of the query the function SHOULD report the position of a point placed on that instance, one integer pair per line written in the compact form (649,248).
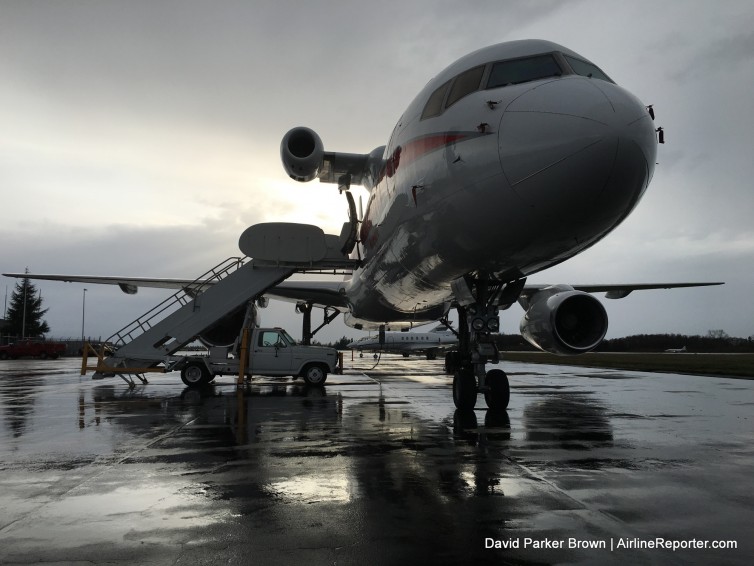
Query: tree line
(715,341)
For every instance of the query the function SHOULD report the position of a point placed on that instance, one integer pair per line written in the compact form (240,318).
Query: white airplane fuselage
(506,181)
(407,342)
(513,159)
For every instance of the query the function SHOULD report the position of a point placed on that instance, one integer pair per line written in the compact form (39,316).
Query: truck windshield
(291,341)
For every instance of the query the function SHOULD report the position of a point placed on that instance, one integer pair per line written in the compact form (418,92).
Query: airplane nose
(578,148)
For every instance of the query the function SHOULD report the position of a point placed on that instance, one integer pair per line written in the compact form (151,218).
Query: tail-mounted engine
(302,153)
(563,321)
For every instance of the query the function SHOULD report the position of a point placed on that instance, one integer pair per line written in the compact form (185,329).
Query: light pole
(83,317)
(23,322)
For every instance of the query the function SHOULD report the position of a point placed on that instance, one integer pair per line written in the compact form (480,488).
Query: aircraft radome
(513,159)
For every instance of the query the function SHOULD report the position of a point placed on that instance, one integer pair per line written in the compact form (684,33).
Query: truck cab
(272,352)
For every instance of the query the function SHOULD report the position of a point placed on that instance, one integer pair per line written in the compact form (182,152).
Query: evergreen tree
(342,344)
(34,325)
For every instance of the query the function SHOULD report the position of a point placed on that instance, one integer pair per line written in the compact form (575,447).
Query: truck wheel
(195,374)
(314,374)
(3,355)
(43,355)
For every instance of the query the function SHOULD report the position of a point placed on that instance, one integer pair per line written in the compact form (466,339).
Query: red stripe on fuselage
(418,147)
(403,155)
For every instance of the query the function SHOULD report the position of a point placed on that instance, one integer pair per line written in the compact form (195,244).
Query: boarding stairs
(276,250)
(181,298)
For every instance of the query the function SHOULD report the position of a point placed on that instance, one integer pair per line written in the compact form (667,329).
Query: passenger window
(586,69)
(464,84)
(523,70)
(434,104)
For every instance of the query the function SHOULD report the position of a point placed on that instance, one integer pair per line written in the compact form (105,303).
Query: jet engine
(302,153)
(563,321)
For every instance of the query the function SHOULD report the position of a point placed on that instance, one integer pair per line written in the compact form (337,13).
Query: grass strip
(728,365)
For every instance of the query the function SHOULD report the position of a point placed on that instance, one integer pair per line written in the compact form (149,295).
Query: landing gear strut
(306,332)
(478,319)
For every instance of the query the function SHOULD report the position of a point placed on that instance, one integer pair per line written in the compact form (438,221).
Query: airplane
(675,350)
(429,343)
(513,159)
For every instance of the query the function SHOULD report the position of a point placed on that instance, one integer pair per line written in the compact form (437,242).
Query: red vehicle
(29,348)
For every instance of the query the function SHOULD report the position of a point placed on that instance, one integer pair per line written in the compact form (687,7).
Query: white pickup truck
(272,352)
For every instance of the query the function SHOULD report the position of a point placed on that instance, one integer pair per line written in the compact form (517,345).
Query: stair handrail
(182,296)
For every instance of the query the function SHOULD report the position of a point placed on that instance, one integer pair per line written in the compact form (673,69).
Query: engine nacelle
(302,153)
(563,321)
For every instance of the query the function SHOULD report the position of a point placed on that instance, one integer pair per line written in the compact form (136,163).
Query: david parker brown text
(615,544)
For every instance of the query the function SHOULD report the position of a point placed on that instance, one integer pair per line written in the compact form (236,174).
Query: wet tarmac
(377,468)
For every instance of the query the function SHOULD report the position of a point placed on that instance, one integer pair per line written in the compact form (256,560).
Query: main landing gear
(478,319)
(306,332)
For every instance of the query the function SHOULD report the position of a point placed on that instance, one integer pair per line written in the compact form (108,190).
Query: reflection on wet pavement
(376,468)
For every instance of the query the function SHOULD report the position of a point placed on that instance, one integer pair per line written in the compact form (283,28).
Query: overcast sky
(142,137)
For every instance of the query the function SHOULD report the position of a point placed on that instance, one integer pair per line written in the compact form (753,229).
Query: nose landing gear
(476,350)
(478,319)
(464,389)
(494,384)
(498,391)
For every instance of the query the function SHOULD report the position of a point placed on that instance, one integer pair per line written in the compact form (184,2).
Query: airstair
(278,250)
(145,322)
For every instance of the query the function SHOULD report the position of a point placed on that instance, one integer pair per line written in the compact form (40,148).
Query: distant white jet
(675,350)
(431,343)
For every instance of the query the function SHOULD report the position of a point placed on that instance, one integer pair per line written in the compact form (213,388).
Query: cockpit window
(523,70)
(465,83)
(434,104)
(586,69)
(504,73)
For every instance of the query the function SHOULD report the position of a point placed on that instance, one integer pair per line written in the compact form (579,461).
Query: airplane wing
(128,285)
(621,290)
(331,293)
(319,293)
(401,348)
(424,347)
